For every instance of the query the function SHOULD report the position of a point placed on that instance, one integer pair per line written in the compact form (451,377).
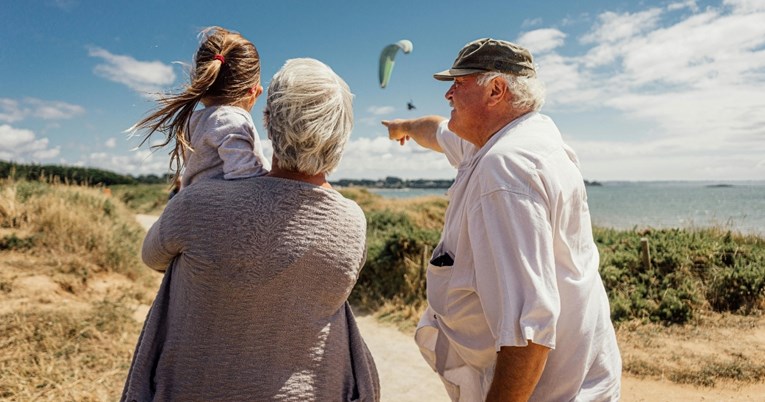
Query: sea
(738,206)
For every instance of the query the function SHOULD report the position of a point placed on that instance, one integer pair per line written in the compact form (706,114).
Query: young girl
(219,140)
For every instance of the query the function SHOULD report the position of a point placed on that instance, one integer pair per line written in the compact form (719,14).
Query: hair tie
(221,58)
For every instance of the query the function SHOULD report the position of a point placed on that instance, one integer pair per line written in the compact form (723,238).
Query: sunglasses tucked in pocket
(443,260)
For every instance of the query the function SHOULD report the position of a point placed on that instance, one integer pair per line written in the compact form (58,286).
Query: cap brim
(448,75)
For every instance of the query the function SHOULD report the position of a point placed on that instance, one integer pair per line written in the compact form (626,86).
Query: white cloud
(705,49)
(45,153)
(666,160)
(141,76)
(375,113)
(531,22)
(541,40)
(566,81)
(689,4)
(614,27)
(381,110)
(22,145)
(695,80)
(139,162)
(372,158)
(745,6)
(12,110)
(53,110)
(13,137)
(111,143)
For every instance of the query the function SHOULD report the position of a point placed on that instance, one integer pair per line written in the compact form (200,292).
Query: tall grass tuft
(142,198)
(66,355)
(71,282)
(59,221)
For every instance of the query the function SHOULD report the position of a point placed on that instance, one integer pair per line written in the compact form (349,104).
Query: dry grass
(425,212)
(71,283)
(67,355)
(717,348)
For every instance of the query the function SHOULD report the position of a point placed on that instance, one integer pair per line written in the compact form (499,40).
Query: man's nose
(448,94)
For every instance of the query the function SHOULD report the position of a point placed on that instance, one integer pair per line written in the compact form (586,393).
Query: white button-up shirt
(525,269)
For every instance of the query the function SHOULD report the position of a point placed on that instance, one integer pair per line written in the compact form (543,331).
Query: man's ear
(499,91)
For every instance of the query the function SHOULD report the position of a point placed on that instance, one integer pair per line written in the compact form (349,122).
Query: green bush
(13,242)
(394,268)
(143,198)
(740,288)
(689,270)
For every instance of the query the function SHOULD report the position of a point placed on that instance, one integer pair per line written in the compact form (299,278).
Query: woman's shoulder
(352,207)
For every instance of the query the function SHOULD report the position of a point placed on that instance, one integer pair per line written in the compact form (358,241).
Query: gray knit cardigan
(253,305)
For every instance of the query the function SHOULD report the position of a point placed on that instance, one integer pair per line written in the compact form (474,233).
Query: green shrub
(13,242)
(740,288)
(143,198)
(689,270)
(394,268)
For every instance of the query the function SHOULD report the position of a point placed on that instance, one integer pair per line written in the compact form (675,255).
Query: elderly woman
(254,303)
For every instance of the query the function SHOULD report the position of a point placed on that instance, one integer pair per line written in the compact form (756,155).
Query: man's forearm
(517,372)
(422,130)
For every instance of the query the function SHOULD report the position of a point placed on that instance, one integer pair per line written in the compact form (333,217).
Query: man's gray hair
(308,116)
(528,92)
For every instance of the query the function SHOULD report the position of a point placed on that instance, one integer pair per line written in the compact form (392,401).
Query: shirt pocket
(439,276)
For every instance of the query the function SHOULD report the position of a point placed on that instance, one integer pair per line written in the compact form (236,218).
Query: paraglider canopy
(387,57)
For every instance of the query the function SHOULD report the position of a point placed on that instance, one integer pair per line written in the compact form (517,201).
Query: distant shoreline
(393,183)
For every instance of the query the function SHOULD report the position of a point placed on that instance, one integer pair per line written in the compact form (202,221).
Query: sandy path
(405,377)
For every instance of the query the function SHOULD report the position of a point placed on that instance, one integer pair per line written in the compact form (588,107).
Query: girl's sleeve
(242,154)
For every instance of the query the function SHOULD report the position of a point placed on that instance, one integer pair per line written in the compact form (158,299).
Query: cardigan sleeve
(160,247)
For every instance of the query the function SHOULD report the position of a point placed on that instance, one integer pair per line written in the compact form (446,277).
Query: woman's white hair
(528,92)
(308,116)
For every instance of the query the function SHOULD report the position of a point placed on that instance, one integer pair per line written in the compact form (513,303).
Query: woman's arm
(157,252)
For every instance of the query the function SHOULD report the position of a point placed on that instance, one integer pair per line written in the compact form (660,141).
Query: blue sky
(642,90)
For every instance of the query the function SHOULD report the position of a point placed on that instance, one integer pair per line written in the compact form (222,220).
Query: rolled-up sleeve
(454,147)
(515,268)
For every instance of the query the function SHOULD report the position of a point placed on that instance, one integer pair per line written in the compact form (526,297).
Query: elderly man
(517,309)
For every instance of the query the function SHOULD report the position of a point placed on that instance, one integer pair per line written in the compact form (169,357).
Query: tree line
(394,182)
(74,175)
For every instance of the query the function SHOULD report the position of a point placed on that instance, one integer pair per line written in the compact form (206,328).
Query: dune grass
(147,199)
(70,281)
